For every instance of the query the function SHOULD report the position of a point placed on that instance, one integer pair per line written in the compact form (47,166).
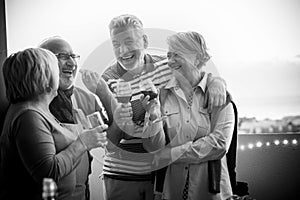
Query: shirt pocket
(173,116)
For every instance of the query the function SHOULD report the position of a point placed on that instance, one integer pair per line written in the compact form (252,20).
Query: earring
(48,89)
(196,62)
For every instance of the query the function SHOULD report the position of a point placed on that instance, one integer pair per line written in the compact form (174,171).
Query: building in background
(284,125)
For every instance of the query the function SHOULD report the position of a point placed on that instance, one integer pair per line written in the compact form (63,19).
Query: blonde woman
(33,144)
(196,136)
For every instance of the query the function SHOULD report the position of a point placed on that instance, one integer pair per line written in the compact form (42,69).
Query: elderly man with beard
(72,103)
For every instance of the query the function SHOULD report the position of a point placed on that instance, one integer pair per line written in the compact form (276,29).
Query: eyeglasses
(65,56)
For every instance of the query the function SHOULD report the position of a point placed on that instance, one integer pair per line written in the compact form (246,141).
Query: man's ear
(145,38)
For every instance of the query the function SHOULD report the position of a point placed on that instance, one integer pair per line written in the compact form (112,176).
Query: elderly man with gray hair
(128,171)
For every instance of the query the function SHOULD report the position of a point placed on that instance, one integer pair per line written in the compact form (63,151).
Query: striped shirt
(131,161)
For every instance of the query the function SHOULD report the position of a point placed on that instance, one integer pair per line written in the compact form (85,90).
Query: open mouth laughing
(127,58)
(175,67)
(68,72)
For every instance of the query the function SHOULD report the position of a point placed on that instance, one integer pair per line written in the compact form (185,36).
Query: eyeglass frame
(66,56)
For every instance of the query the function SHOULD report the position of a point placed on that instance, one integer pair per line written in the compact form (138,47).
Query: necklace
(190,98)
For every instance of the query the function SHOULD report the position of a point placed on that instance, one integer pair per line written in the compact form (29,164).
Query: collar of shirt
(148,66)
(173,83)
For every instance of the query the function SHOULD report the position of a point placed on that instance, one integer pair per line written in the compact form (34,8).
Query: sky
(255,44)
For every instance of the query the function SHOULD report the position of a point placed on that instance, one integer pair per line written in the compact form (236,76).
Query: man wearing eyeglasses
(69,100)
(68,69)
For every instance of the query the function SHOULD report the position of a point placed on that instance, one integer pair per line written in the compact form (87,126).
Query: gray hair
(189,43)
(125,20)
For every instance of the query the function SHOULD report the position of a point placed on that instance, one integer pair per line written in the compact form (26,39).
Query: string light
(276,142)
(250,146)
(285,142)
(294,141)
(259,144)
(242,147)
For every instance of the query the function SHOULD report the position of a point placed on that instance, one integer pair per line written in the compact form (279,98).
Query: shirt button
(186,168)
(188,107)
(187,121)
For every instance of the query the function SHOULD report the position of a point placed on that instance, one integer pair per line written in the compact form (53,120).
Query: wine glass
(147,88)
(123,91)
(123,95)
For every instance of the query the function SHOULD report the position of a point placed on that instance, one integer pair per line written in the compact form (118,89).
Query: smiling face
(185,64)
(66,61)
(67,66)
(129,46)
(187,54)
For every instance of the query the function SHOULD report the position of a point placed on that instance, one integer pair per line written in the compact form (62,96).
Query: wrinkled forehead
(123,33)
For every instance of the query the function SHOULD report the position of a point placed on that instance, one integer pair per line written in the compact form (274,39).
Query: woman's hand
(152,106)
(93,138)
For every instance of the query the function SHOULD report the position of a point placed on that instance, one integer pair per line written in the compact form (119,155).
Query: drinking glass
(147,87)
(123,91)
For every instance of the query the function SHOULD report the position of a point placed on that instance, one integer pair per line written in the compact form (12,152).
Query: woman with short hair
(33,144)
(196,136)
